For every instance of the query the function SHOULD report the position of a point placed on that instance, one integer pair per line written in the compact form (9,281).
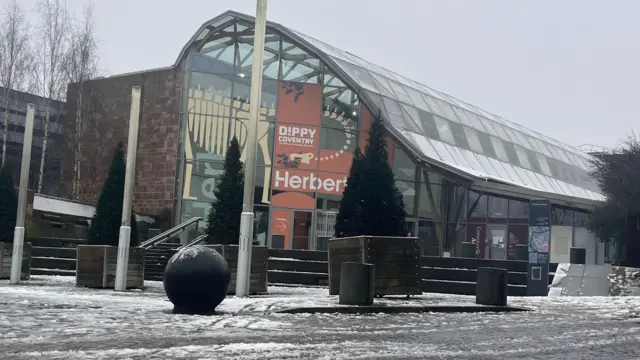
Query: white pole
(18,234)
(246,218)
(129,180)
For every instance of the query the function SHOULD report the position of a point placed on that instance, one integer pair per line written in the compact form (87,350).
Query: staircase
(159,249)
(156,258)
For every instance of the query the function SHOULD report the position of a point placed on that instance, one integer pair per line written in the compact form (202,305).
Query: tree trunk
(44,146)
(5,134)
(77,146)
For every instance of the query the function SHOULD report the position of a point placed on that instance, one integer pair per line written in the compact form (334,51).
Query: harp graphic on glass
(212,121)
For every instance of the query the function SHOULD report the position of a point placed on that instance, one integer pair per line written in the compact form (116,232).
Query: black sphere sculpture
(196,280)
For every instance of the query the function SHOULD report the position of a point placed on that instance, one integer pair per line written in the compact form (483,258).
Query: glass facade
(312,118)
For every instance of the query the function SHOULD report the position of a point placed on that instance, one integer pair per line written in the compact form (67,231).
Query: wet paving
(67,323)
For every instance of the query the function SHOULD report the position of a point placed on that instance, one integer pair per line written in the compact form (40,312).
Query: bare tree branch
(53,43)
(15,61)
(81,64)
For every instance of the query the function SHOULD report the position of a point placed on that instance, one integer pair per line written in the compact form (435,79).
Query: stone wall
(105,109)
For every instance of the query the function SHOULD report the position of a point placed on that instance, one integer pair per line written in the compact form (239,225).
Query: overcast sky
(568,69)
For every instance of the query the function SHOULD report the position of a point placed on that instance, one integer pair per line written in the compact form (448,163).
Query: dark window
(487,146)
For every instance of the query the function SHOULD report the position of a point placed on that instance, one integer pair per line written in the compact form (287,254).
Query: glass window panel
(459,135)
(444,130)
(563,155)
(488,166)
(544,166)
(426,147)
(408,191)
(411,114)
(527,179)
(417,99)
(563,186)
(383,85)
(511,152)
(522,156)
(560,216)
(511,134)
(472,139)
(429,125)
(545,148)
(498,207)
(443,152)
(487,146)
(403,167)
(548,184)
(473,161)
(430,200)
(499,148)
(533,160)
(360,75)
(400,92)
(435,109)
(464,119)
(517,177)
(489,125)
(391,106)
(505,171)
(339,108)
(475,120)
(398,120)
(479,211)
(448,110)
(457,155)
(518,209)
(500,130)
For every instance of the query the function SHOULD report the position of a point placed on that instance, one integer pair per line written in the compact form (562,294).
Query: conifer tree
(8,204)
(383,212)
(223,220)
(105,224)
(349,218)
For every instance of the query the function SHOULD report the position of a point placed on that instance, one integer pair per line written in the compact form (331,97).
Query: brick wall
(106,106)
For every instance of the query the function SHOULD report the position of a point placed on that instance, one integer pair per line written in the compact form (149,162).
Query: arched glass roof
(441,128)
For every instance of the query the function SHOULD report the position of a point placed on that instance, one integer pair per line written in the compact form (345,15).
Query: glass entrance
(495,246)
(302,221)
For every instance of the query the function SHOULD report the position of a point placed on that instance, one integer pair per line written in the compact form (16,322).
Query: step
(53,263)
(56,252)
(298,278)
(52,272)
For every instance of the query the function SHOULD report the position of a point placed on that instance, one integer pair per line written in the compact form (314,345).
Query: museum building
(466,174)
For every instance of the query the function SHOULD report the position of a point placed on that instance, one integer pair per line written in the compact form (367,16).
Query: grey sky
(568,69)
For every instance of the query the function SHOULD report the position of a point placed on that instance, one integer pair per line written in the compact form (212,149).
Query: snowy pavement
(49,318)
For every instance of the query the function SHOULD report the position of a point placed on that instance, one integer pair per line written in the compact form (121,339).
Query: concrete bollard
(578,255)
(492,286)
(468,250)
(522,252)
(357,284)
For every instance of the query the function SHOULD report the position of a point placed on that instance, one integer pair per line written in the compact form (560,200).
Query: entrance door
(496,242)
(302,221)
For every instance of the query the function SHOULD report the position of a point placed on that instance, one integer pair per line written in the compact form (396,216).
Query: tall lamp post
(246,218)
(18,234)
(124,238)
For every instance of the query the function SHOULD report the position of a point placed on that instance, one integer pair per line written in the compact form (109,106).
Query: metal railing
(173,232)
(326,224)
(196,241)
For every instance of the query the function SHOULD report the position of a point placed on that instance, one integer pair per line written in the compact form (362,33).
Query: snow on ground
(49,318)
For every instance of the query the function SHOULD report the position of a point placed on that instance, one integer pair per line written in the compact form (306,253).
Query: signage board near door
(281,229)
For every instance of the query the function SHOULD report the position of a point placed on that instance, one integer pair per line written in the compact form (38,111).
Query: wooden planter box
(6,253)
(96,267)
(259,257)
(396,260)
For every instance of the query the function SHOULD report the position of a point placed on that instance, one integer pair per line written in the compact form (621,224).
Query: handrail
(196,241)
(176,230)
